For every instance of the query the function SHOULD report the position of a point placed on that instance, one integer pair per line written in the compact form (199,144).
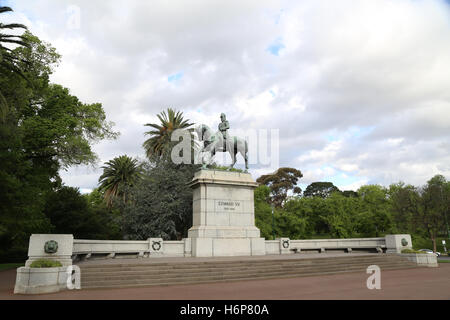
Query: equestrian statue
(220,142)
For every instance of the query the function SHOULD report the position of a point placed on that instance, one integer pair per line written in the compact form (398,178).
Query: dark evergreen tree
(320,189)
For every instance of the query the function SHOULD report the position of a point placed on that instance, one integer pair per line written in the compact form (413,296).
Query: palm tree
(159,140)
(118,175)
(8,62)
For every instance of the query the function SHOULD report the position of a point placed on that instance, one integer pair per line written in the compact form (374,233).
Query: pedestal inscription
(227,205)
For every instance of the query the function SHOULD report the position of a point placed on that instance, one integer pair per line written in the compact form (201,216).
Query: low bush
(43,263)
(412,251)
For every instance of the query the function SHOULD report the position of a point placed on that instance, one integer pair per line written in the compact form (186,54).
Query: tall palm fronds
(8,62)
(160,137)
(118,175)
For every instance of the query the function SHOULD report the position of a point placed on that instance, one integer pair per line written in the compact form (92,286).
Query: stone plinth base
(395,243)
(224,215)
(217,247)
(40,280)
(422,259)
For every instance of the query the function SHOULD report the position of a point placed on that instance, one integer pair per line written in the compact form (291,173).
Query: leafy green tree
(64,129)
(405,203)
(70,212)
(8,61)
(263,212)
(338,213)
(375,215)
(350,193)
(111,216)
(96,198)
(280,182)
(286,222)
(311,210)
(119,175)
(160,135)
(162,201)
(435,201)
(320,189)
(290,225)
(45,129)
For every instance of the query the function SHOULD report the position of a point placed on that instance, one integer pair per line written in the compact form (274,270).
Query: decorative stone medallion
(285,244)
(51,246)
(404,242)
(156,245)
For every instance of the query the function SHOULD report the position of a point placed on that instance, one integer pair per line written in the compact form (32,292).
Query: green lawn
(7,266)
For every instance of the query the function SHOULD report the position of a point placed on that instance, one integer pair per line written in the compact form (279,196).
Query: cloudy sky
(359,90)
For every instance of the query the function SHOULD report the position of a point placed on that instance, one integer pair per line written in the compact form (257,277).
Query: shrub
(412,251)
(43,263)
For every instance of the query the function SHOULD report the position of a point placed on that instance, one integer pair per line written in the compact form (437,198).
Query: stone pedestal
(40,280)
(395,243)
(285,246)
(224,215)
(63,252)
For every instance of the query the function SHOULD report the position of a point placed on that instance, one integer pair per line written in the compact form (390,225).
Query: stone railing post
(395,243)
(285,246)
(57,247)
(156,246)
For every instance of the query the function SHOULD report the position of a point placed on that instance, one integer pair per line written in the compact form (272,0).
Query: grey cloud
(362,64)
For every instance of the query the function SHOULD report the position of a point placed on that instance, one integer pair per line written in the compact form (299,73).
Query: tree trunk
(433,238)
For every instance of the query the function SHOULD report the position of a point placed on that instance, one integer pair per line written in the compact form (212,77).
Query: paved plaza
(417,283)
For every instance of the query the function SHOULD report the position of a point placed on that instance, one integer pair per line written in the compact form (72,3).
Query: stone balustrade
(65,249)
(108,248)
(322,245)
(152,247)
(157,247)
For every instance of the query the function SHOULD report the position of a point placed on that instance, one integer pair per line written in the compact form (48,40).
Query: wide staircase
(138,274)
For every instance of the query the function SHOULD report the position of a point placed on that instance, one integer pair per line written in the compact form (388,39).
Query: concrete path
(420,283)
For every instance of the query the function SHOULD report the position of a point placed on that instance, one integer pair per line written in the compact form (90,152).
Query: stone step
(228,273)
(199,280)
(218,266)
(160,273)
(166,273)
(237,260)
(221,264)
(288,258)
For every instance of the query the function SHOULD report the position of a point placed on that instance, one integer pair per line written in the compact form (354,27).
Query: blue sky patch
(357,132)
(275,47)
(175,77)
(343,179)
